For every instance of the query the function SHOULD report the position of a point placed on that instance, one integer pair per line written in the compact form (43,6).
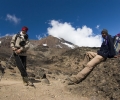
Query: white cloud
(13,18)
(8,34)
(98,26)
(81,36)
(39,37)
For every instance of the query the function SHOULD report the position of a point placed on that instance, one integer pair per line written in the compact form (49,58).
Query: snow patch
(44,44)
(58,46)
(69,45)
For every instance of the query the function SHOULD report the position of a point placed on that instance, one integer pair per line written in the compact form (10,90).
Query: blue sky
(43,16)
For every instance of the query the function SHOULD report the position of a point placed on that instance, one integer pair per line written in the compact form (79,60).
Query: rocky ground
(12,88)
(103,83)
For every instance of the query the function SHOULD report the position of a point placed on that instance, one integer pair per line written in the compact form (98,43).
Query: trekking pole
(9,58)
(3,70)
(24,69)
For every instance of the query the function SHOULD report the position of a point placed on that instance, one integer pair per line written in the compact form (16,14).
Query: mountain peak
(55,42)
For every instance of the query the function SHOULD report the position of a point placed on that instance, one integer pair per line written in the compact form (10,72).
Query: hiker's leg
(26,80)
(82,74)
(23,59)
(88,56)
(20,66)
(90,65)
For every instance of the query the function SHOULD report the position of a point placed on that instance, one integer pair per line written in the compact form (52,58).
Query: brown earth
(56,64)
(12,88)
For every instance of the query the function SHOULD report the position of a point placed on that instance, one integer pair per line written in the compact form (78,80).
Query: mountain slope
(53,42)
(57,64)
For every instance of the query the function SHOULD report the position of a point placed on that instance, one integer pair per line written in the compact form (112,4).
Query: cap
(105,31)
(24,28)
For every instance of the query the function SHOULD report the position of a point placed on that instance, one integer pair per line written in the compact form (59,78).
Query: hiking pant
(21,64)
(93,59)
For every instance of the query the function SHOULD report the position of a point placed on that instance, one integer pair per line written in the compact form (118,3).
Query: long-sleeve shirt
(15,43)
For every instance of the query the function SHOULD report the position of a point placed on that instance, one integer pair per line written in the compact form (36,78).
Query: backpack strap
(17,35)
(26,36)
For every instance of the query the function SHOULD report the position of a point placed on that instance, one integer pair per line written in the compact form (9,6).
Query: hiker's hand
(14,49)
(115,56)
(17,51)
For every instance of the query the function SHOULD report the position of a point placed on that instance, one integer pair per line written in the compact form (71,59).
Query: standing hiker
(106,51)
(20,44)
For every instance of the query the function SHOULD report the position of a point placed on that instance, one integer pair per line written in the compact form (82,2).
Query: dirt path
(15,90)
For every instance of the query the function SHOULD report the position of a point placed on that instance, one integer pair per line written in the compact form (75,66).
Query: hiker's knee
(91,54)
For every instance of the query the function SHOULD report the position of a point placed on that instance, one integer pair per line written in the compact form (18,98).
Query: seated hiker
(106,51)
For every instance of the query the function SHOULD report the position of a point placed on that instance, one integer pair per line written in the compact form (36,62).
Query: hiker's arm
(12,43)
(26,47)
(116,56)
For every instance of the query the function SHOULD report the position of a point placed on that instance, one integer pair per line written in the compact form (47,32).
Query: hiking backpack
(18,35)
(22,43)
(116,40)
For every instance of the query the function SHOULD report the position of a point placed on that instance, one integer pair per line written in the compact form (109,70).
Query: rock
(40,73)
(13,70)
(45,80)
(2,69)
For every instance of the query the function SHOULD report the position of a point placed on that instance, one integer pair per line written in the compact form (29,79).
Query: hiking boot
(25,81)
(30,83)
(72,81)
